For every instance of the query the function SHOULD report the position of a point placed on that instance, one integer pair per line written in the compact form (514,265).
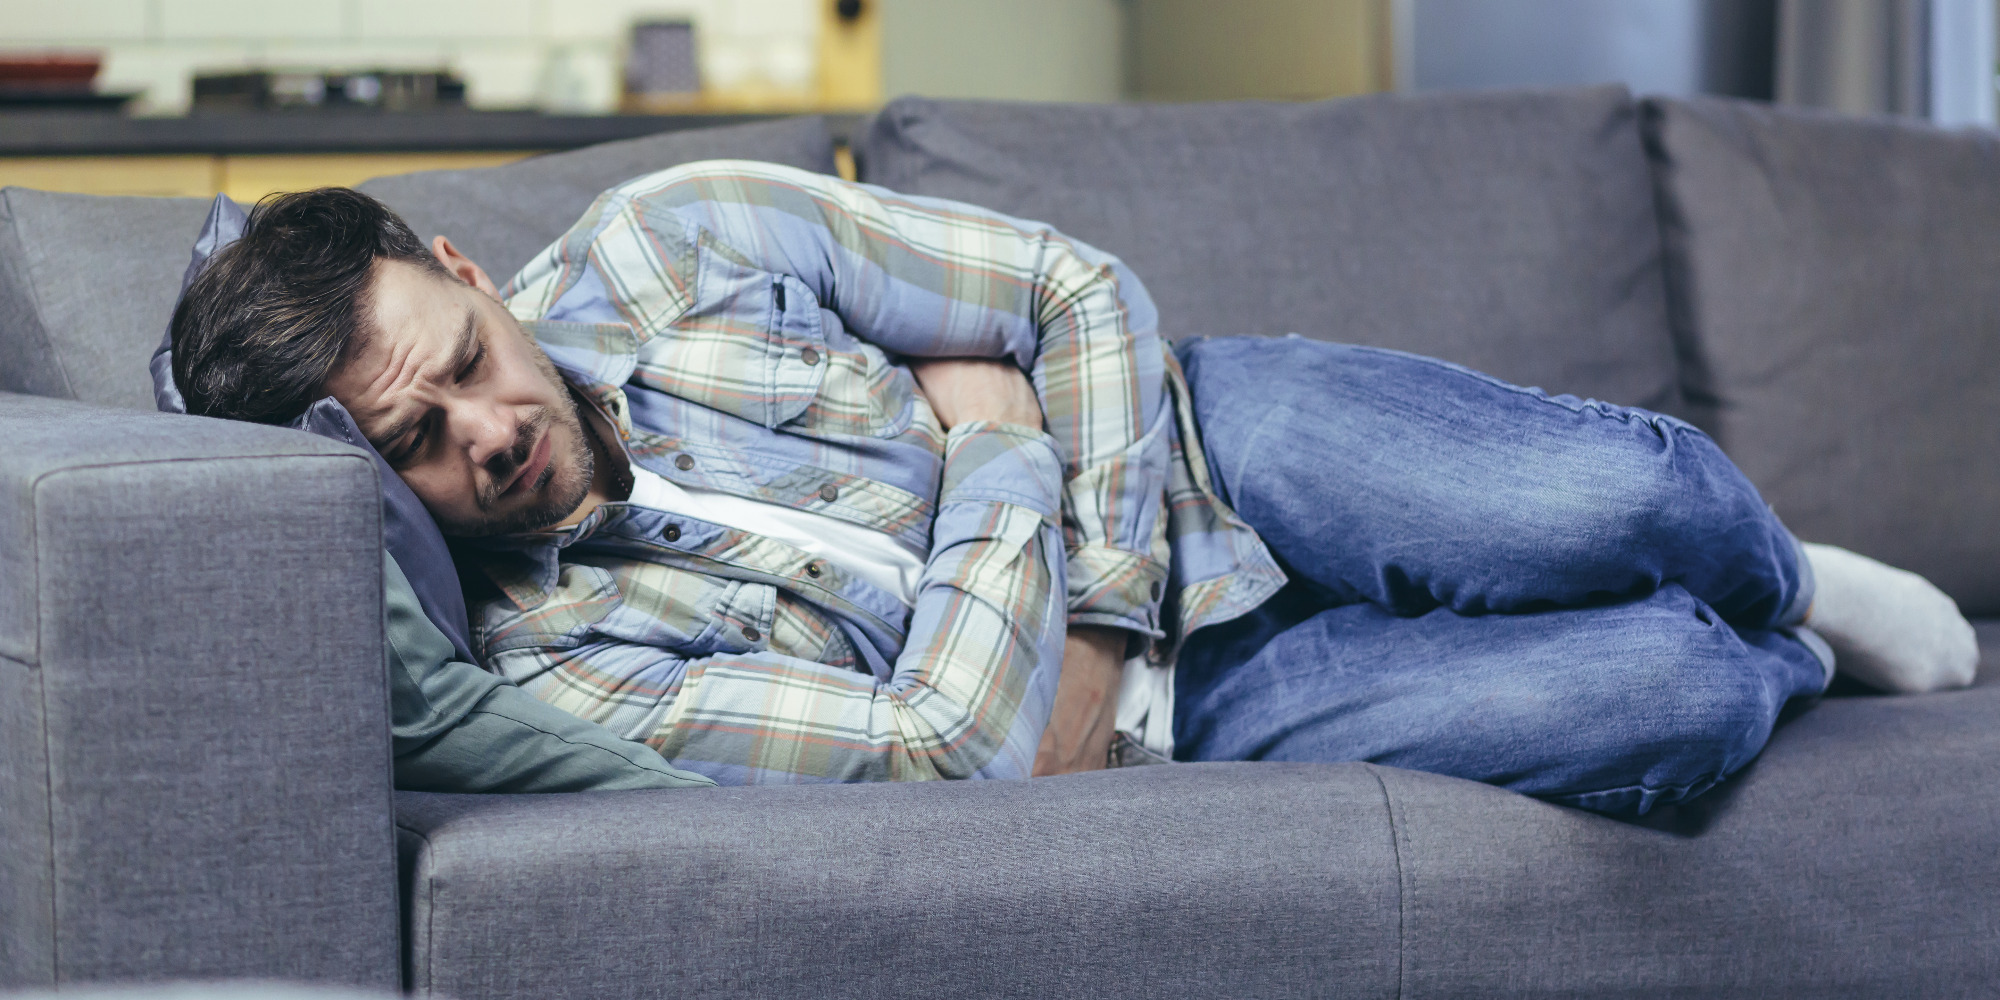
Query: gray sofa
(194,751)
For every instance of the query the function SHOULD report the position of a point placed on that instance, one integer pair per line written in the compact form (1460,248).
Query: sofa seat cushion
(1834,288)
(1264,880)
(503,216)
(1854,858)
(1512,232)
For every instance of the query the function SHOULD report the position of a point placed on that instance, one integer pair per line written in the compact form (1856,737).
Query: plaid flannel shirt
(742,326)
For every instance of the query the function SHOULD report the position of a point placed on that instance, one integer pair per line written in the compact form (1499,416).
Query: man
(795,479)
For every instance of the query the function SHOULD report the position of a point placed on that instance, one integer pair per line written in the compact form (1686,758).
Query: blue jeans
(1582,602)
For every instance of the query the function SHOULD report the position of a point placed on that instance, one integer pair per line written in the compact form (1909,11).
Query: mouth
(535,469)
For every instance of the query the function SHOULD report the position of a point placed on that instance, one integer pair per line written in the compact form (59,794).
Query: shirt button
(673,532)
(683,462)
(829,493)
(812,570)
(809,356)
(752,634)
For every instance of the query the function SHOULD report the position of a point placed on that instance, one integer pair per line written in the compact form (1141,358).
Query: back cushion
(1836,288)
(502,216)
(87,283)
(1513,232)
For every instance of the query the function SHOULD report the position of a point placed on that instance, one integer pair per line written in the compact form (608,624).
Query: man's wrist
(1084,721)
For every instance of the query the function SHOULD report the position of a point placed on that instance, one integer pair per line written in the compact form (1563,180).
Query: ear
(462,266)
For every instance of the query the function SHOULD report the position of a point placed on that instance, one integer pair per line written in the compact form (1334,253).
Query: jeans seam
(1625,414)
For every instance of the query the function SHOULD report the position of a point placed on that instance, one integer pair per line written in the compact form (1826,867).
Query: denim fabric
(1574,600)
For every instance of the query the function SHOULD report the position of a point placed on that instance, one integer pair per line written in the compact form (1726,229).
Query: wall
(1023,50)
(1196,50)
(1652,46)
(560,53)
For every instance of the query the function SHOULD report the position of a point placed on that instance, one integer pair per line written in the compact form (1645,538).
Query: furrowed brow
(461,355)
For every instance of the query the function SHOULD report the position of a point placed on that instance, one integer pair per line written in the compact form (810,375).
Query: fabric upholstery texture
(502,216)
(1264,880)
(1512,232)
(194,778)
(1854,859)
(205,746)
(1833,292)
(209,991)
(87,283)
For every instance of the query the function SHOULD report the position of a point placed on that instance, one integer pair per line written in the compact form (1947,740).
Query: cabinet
(245,177)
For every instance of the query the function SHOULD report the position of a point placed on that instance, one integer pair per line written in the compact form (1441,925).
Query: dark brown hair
(262,328)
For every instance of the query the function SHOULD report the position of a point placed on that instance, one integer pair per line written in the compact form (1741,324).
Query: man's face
(458,398)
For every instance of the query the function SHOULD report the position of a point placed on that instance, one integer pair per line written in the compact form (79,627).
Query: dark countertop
(59,133)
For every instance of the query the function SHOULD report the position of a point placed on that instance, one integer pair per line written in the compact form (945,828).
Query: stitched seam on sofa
(34,297)
(123,463)
(48,806)
(1694,379)
(48,752)
(48,793)
(430,932)
(430,908)
(1396,852)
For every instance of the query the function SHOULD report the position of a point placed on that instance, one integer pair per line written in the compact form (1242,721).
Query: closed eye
(472,367)
(413,446)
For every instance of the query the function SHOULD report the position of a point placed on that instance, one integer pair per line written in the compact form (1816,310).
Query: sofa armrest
(194,726)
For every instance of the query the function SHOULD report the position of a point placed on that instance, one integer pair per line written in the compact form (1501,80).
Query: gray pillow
(1513,232)
(1836,289)
(502,216)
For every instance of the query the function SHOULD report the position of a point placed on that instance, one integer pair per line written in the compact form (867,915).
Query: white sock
(1889,628)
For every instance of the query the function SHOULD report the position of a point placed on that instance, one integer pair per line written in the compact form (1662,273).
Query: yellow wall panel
(185,176)
(248,178)
(245,178)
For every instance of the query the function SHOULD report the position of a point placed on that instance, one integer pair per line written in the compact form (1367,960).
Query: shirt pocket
(582,597)
(751,345)
(692,614)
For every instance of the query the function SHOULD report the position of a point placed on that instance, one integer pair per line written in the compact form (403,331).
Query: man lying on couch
(793,479)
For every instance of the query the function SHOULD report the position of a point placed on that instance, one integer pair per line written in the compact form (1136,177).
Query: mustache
(502,466)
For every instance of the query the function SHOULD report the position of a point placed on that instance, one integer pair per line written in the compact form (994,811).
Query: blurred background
(248,96)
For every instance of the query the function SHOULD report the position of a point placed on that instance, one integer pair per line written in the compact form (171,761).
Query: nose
(486,430)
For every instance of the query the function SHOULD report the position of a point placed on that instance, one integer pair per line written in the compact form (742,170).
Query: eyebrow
(468,345)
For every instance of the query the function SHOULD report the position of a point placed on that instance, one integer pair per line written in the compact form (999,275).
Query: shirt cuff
(987,461)
(1116,589)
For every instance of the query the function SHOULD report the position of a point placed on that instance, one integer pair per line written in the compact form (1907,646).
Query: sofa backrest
(86,287)
(1513,232)
(87,283)
(1835,288)
(502,216)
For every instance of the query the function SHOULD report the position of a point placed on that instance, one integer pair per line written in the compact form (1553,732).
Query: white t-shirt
(875,556)
(1145,698)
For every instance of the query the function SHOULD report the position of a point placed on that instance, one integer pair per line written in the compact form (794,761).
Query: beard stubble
(567,482)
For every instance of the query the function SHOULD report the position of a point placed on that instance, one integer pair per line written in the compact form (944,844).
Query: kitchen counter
(55,133)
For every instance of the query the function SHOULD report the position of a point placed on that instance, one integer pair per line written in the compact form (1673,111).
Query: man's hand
(964,390)
(1086,713)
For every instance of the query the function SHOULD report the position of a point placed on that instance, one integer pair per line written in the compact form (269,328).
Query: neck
(610,478)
